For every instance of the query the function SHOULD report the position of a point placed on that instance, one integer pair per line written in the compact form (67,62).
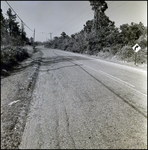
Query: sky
(51,18)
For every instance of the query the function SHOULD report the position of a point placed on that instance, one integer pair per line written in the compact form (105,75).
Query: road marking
(117,79)
(138,91)
(130,85)
(112,77)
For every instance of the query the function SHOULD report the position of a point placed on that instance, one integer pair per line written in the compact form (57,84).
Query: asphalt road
(80,102)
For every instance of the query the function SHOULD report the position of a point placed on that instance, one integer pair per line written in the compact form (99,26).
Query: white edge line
(118,80)
(112,77)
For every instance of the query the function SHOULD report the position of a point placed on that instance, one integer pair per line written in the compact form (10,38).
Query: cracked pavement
(75,107)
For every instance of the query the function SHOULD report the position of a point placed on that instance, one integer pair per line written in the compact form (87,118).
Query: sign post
(136,48)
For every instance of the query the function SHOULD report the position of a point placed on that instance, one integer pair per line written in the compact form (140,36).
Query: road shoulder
(16,92)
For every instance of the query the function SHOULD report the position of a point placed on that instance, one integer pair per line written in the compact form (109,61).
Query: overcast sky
(70,16)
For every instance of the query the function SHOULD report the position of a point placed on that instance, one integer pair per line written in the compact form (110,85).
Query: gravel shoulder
(16,92)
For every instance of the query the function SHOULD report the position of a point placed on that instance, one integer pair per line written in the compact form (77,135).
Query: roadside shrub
(142,56)
(7,58)
(19,55)
(11,56)
(127,52)
(114,49)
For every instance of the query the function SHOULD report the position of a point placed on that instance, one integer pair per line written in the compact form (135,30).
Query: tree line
(13,40)
(11,32)
(101,34)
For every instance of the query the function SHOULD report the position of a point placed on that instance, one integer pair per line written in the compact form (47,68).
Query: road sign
(136,48)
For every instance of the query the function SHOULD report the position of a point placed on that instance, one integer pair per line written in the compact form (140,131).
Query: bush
(127,52)
(21,54)
(7,58)
(114,49)
(142,56)
(11,57)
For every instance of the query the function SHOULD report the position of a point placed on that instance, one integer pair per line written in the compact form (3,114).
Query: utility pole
(50,36)
(22,29)
(34,35)
(34,39)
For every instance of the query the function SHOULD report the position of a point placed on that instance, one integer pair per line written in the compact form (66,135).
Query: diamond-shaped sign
(136,48)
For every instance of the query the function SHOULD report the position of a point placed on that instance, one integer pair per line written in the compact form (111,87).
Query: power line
(73,20)
(117,7)
(18,16)
(86,16)
(81,19)
(74,23)
(111,2)
(68,21)
(28,27)
(71,24)
(89,15)
(84,10)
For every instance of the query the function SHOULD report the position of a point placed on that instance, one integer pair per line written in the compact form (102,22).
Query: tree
(3,22)
(3,28)
(63,34)
(88,26)
(13,27)
(99,7)
(11,34)
(99,33)
(131,33)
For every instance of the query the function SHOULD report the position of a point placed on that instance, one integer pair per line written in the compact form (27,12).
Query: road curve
(80,102)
